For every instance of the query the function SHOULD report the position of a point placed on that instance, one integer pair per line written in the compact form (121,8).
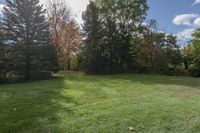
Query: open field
(74,102)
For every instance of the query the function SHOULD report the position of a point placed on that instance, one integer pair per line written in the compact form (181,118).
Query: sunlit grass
(74,102)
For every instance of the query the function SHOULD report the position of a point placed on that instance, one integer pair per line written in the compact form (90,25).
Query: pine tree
(110,27)
(94,51)
(3,62)
(2,53)
(2,57)
(28,32)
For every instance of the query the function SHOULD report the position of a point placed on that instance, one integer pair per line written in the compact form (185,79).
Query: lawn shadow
(34,107)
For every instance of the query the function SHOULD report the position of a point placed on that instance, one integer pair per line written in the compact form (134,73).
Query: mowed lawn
(75,102)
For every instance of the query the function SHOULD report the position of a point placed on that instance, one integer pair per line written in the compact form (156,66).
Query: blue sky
(164,12)
(179,17)
(175,16)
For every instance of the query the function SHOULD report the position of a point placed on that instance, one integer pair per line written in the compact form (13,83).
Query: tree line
(115,37)
(119,39)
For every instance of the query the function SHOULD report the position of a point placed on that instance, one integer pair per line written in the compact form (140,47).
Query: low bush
(175,71)
(40,75)
(194,71)
(3,77)
(15,76)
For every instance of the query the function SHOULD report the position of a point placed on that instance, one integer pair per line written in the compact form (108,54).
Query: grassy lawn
(101,104)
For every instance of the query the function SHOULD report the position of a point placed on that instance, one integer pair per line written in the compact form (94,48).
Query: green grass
(74,102)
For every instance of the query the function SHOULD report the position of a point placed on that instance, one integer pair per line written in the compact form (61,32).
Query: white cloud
(78,6)
(185,34)
(185,19)
(161,31)
(1,8)
(197,21)
(196,2)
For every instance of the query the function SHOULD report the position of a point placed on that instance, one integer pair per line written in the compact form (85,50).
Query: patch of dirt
(184,91)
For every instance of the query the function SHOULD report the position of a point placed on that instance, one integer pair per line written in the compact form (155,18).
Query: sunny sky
(179,17)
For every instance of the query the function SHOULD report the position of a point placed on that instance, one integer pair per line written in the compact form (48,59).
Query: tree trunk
(28,67)
(68,64)
(185,63)
(78,65)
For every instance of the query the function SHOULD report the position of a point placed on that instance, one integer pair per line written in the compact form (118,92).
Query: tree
(116,22)
(194,67)
(58,15)
(157,51)
(187,53)
(94,53)
(146,45)
(2,62)
(122,21)
(3,48)
(70,39)
(28,32)
(168,57)
(65,32)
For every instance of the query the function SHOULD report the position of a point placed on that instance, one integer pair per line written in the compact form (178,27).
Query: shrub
(194,71)
(3,77)
(15,76)
(175,71)
(40,75)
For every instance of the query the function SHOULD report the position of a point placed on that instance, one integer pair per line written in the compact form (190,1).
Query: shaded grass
(74,102)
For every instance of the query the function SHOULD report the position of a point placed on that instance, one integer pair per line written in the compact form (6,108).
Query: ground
(75,102)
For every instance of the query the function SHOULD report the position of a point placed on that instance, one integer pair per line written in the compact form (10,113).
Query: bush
(175,71)
(3,77)
(142,70)
(15,76)
(194,71)
(40,75)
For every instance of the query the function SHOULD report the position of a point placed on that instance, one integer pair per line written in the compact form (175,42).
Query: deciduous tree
(65,32)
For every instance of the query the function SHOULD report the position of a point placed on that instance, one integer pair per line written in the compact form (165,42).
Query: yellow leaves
(64,30)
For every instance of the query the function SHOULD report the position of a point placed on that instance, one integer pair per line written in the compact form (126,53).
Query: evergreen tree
(123,19)
(112,24)
(94,48)
(27,31)
(2,54)
(3,61)
(2,57)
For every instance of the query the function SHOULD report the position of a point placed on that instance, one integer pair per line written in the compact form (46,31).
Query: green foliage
(2,57)
(194,55)
(3,61)
(27,31)
(40,75)
(194,68)
(117,42)
(3,77)
(3,49)
(187,54)
(14,76)
(157,52)
(109,27)
(94,51)
(194,71)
